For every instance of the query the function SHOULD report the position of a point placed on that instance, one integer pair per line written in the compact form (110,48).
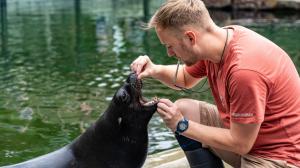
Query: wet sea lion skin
(118,139)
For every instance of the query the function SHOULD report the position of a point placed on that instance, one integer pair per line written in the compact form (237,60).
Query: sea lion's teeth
(119,120)
(149,103)
(146,102)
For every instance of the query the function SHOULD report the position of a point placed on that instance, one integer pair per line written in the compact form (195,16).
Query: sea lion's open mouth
(137,84)
(145,102)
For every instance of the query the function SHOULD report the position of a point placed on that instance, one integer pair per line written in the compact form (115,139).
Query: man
(256,87)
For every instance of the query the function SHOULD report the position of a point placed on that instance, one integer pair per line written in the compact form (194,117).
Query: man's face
(177,45)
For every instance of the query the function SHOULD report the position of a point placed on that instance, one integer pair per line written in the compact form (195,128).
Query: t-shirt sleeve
(197,70)
(248,92)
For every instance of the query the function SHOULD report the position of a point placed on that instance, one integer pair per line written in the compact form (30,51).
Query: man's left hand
(169,112)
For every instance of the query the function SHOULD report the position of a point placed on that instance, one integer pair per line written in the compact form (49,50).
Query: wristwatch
(182,126)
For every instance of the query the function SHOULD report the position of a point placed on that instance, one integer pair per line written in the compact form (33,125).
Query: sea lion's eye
(123,96)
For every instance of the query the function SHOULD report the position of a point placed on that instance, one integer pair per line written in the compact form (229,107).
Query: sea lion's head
(133,106)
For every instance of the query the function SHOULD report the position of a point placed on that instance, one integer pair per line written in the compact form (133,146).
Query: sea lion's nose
(132,78)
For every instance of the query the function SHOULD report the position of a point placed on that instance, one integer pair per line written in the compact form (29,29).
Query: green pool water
(62,61)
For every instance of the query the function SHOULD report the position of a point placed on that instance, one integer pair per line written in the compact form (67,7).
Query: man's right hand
(142,66)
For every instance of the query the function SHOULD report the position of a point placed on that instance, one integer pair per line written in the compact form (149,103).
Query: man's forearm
(166,75)
(220,138)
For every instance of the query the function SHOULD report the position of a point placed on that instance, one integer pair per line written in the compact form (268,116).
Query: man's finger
(143,74)
(133,66)
(138,68)
(163,106)
(164,115)
(167,102)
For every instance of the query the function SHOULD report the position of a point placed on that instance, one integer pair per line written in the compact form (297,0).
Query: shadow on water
(62,61)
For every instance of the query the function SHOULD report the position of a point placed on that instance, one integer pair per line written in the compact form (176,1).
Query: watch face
(182,126)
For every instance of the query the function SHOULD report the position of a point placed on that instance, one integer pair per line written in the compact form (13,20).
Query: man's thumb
(142,75)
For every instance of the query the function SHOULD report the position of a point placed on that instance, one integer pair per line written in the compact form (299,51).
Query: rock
(254,4)
(217,3)
(289,4)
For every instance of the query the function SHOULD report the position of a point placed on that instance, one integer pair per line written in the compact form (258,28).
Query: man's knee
(190,108)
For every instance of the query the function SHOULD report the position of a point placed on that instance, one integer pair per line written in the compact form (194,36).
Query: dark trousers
(197,156)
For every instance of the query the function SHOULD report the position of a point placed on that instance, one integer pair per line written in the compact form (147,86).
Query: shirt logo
(242,115)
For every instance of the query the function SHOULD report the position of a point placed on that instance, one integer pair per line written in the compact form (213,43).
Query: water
(62,61)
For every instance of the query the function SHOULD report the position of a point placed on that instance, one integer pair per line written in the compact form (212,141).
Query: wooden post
(77,10)
(146,10)
(4,34)
(3,4)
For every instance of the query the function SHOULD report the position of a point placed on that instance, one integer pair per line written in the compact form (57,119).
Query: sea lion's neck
(121,118)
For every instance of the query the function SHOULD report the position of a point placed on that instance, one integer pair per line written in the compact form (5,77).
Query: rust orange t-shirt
(257,83)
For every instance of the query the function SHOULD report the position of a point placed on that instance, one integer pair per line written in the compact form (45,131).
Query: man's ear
(191,36)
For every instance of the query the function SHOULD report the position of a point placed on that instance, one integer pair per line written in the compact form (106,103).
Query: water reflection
(101,34)
(61,62)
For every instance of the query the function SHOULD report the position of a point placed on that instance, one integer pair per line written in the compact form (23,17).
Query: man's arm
(166,75)
(144,67)
(239,138)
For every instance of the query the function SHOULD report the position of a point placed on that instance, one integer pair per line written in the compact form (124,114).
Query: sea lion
(118,139)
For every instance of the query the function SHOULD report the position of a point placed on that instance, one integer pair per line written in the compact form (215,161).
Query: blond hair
(177,13)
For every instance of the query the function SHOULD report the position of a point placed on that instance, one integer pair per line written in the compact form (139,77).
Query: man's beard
(190,55)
